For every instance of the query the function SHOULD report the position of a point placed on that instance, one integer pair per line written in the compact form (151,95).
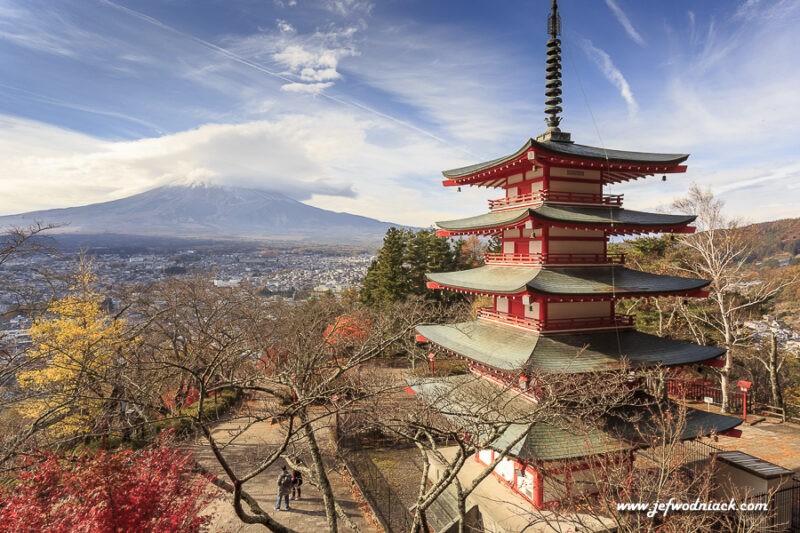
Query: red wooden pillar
(744,386)
(545,240)
(543,312)
(538,490)
(545,179)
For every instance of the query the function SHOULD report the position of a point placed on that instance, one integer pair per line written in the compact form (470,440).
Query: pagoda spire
(553,70)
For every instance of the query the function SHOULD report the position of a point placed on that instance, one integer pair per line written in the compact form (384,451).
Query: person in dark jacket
(284,488)
(297,482)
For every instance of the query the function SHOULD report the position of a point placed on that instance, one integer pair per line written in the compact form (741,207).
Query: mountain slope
(208,212)
(778,237)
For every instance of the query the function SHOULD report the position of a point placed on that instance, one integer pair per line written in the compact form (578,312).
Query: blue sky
(357,105)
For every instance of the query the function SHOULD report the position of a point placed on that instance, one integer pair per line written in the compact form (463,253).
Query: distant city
(289,273)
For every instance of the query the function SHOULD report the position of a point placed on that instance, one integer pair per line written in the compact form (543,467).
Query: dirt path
(307,514)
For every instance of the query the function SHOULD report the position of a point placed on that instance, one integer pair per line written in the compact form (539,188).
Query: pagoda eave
(616,165)
(525,351)
(612,220)
(459,398)
(566,282)
(561,298)
(610,229)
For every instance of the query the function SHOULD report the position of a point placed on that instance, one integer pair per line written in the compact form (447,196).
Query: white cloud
(331,159)
(612,74)
(311,59)
(285,27)
(348,7)
(625,21)
(306,88)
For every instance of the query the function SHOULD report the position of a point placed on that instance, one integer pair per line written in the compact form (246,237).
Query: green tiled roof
(498,219)
(565,281)
(592,216)
(475,403)
(477,167)
(575,150)
(618,156)
(546,442)
(517,350)
(609,215)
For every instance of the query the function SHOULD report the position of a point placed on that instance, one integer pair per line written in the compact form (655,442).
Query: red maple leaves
(152,490)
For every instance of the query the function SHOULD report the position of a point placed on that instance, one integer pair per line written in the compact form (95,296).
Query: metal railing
(556,324)
(387,506)
(699,390)
(510,202)
(553,259)
(783,508)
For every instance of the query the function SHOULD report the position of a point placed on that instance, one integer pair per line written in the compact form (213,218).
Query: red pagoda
(554,286)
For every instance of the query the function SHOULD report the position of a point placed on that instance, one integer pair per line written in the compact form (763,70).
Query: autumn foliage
(347,330)
(153,490)
(75,346)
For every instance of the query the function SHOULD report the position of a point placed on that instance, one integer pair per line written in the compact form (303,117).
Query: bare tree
(298,364)
(771,359)
(719,251)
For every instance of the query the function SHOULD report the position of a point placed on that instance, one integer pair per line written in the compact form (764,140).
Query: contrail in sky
(244,61)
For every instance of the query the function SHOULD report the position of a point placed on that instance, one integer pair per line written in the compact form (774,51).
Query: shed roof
(754,465)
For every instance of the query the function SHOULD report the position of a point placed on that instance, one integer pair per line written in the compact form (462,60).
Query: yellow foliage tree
(75,346)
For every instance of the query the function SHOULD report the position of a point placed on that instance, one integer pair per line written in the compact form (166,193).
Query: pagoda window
(535,247)
(485,456)
(501,304)
(575,186)
(577,247)
(508,247)
(557,310)
(532,310)
(525,482)
(516,178)
(511,233)
(577,233)
(535,174)
(560,172)
(505,469)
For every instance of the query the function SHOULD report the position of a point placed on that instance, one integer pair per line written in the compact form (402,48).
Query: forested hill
(776,238)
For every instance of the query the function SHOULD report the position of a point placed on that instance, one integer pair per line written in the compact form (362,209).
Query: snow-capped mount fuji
(208,211)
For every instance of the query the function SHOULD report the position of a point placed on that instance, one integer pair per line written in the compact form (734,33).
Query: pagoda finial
(553,69)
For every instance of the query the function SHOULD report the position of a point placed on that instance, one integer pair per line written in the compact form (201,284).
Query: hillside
(778,239)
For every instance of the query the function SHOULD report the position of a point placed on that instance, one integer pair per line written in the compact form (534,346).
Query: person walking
(284,489)
(297,482)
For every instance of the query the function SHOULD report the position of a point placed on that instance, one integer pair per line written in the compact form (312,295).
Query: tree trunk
(724,381)
(725,372)
(774,383)
(322,477)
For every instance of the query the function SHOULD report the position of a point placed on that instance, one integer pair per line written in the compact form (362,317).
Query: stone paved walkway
(307,514)
(778,443)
